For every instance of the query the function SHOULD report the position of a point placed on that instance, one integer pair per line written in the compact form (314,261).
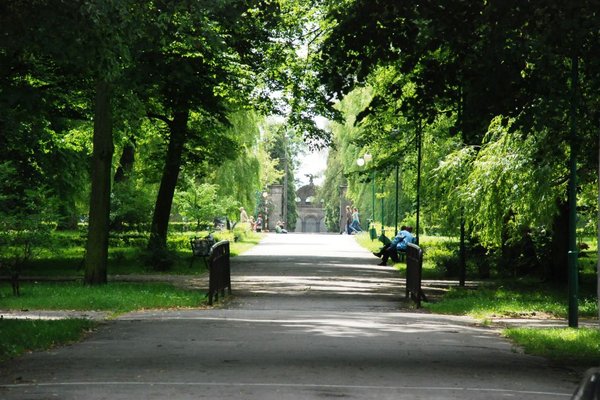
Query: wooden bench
(414,268)
(201,248)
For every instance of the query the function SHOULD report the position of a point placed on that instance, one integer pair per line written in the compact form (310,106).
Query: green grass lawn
(117,297)
(20,336)
(579,347)
(63,258)
(516,301)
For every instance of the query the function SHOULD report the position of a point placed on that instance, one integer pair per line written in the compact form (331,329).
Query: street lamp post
(365,159)
(396,207)
(372,232)
(265,195)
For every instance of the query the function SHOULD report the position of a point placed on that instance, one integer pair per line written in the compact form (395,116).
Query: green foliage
(507,184)
(283,149)
(131,203)
(26,216)
(20,336)
(202,204)
(489,89)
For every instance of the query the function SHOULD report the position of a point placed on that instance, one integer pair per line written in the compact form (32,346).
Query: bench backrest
(414,267)
(201,247)
(219,270)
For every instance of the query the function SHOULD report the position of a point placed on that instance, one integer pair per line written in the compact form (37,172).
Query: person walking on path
(348,219)
(355,225)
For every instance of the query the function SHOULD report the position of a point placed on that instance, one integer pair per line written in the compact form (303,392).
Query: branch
(159,117)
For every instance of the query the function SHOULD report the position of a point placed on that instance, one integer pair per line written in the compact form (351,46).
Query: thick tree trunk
(96,258)
(164,200)
(559,247)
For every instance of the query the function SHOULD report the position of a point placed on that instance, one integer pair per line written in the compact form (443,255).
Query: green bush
(442,254)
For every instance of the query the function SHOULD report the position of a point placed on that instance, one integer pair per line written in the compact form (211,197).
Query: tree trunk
(96,258)
(164,200)
(559,247)
(122,177)
(67,216)
(462,267)
(126,161)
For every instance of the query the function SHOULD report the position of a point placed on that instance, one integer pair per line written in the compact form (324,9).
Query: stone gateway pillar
(311,215)
(276,206)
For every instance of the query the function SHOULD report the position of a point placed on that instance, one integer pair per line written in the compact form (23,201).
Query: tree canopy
(120,112)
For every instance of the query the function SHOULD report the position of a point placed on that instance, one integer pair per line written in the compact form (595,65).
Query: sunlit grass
(505,302)
(20,336)
(115,297)
(364,240)
(250,240)
(63,257)
(580,346)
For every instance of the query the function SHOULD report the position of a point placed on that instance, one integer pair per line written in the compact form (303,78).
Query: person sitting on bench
(398,243)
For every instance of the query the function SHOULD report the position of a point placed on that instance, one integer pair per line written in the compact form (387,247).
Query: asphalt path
(311,317)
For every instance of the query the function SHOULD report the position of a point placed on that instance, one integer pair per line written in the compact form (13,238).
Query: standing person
(243,215)
(355,225)
(259,223)
(348,219)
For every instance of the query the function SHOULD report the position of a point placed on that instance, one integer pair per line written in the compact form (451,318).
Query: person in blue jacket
(398,243)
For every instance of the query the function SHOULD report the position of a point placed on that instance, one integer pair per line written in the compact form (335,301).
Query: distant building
(311,215)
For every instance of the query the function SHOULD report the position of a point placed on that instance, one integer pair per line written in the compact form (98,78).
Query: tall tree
(78,47)
(198,61)
(109,58)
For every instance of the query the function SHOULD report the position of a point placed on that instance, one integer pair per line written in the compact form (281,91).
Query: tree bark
(559,247)
(164,200)
(126,161)
(122,176)
(96,258)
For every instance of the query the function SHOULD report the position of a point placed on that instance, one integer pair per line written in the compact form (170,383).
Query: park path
(311,317)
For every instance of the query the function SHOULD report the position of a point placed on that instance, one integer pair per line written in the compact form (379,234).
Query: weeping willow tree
(508,187)
(341,162)
(251,171)
(505,193)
